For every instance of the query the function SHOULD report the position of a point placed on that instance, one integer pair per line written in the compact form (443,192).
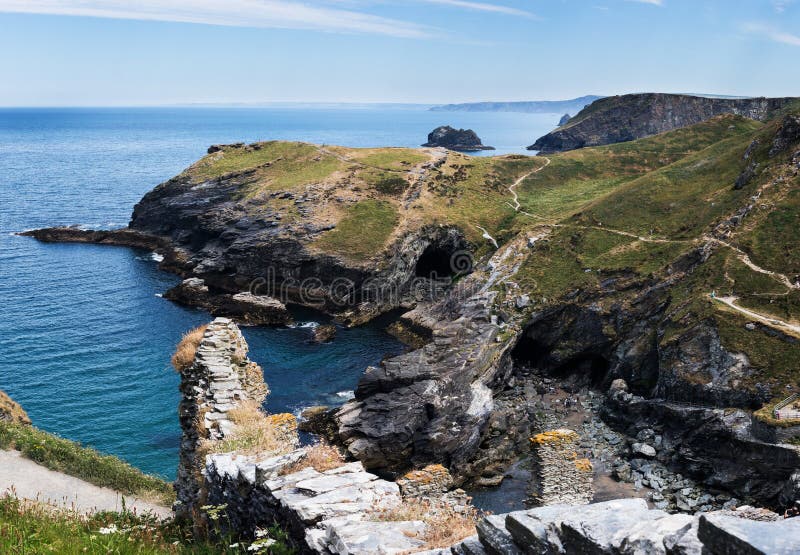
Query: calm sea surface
(85,340)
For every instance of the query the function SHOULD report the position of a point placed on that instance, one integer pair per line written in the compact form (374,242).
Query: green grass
(34,528)
(363,231)
(388,158)
(85,463)
(576,178)
(290,164)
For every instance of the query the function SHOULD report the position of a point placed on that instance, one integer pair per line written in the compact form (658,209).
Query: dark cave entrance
(437,262)
(585,370)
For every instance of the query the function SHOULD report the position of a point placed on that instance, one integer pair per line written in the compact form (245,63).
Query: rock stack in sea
(560,477)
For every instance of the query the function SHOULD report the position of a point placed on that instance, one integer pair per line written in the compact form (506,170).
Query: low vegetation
(363,230)
(321,457)
(256,432)
(27,527)
(85,463)
(184,354)
(444,525)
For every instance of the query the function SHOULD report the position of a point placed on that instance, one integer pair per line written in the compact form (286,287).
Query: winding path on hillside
(29,480)
(745,259)
(512,188)
(770,321)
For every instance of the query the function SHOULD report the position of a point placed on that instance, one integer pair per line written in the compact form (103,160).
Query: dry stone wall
(560,477)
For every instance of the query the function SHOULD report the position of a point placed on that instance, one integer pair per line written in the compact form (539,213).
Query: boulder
(324,333)
(455,139)
(728,535)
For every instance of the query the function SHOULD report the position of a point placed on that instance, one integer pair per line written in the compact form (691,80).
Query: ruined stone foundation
(560,477)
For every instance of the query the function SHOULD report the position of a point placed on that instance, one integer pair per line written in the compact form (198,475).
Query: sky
(166,52)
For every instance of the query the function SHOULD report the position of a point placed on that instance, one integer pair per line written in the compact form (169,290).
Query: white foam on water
(156,257)
(303,325)
(349,394)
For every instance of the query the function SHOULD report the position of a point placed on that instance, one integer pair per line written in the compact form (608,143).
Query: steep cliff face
(617,119)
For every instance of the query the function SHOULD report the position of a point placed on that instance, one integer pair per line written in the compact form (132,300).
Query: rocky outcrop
(245,307)
(11,411)
(464,140)
(617,119)
(324,333)
(564,120)
(217,382)
(787,135)
(716,446)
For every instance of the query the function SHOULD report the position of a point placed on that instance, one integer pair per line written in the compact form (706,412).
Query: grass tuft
(184,354)
(444,525)
(321,457)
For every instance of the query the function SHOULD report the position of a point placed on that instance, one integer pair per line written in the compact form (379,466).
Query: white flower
(111,529)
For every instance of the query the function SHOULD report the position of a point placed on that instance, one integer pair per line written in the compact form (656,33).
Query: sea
(85,337)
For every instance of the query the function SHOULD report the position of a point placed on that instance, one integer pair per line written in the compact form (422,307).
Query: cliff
(616,119)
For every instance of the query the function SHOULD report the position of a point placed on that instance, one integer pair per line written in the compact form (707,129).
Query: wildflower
(110,529)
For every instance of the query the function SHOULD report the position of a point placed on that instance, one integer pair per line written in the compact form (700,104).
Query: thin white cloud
(772,33)
(483,7)
(781,5)
(284,14)
(651,2)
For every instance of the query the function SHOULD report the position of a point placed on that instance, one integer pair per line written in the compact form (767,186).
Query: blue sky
(106,52)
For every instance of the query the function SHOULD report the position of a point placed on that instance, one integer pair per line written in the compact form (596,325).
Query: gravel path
(30,480)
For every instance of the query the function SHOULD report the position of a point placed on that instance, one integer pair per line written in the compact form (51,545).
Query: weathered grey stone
(469,546)
(495,538)
(643,449)
(728,535)
(356,538)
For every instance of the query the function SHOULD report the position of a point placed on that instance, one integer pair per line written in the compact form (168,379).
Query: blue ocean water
(85,340)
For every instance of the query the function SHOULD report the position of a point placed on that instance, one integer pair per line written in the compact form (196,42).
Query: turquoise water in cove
(85,340)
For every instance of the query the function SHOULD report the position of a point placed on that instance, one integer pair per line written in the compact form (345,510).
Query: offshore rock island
(640,298)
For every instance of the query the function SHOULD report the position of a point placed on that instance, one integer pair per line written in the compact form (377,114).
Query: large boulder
(455,139)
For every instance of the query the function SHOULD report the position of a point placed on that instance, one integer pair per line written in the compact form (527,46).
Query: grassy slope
(87,464)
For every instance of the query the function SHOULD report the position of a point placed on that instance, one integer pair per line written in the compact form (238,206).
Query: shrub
(187,348)
(393,185)
(444,524)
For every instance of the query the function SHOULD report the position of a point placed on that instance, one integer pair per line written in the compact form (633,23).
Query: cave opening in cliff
(585,370)
(437,262)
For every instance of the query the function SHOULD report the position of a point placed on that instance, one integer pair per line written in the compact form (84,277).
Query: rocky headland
(637,279)
(615,119)
(463,140)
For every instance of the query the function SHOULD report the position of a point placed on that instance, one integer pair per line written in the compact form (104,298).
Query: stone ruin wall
(560,477)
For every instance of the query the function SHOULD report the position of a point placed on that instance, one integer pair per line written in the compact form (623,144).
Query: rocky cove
(661,409)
